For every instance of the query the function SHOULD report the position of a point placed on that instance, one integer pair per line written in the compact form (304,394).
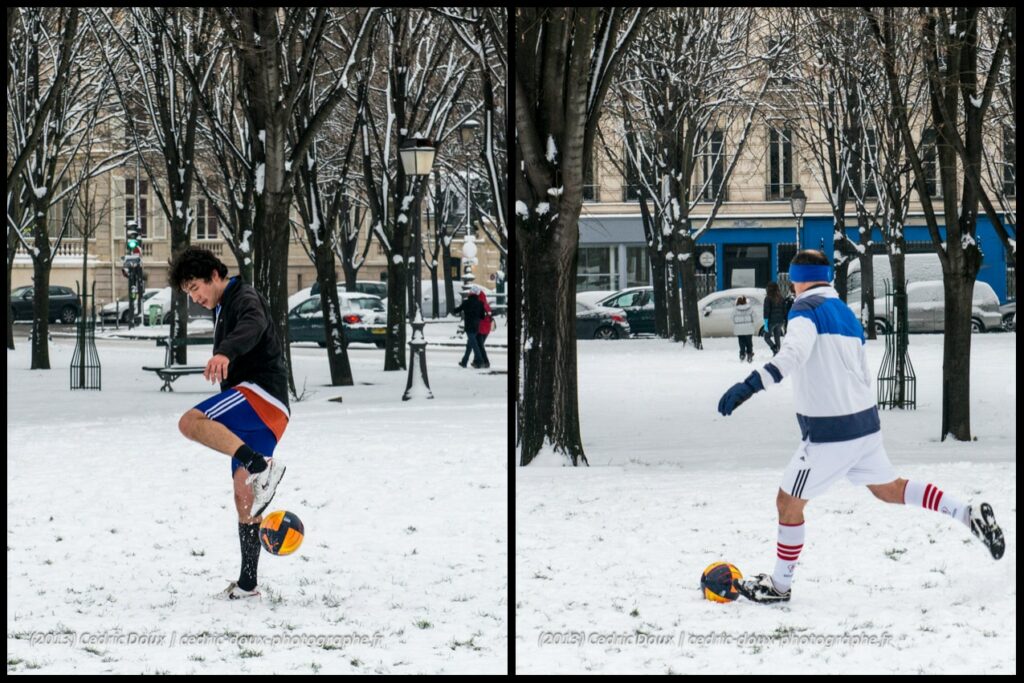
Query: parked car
(926,306)
(716,310)
(638,304)
(64,304)
(374,287)
(592,296)
(118,310)
(1008,312)
(378,289)
(162,298)
(598,322)
(363,316)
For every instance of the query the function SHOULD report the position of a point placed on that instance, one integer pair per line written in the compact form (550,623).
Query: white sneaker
(233,592)
(264,485)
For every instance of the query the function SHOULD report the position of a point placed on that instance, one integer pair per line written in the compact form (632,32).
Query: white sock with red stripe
(791,542)
(929,496)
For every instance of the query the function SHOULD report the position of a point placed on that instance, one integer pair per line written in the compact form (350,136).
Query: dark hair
(773,292)
(740,301)
(195,264)
(809,257)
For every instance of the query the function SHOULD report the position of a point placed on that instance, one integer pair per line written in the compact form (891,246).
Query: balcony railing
(708,194)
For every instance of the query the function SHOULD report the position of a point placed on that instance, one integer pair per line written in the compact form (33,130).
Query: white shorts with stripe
(816,466)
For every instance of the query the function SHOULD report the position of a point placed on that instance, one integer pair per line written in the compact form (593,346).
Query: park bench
(170,372)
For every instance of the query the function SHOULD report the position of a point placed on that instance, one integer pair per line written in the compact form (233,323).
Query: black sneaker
(760,588)
(462,365)
(983,525)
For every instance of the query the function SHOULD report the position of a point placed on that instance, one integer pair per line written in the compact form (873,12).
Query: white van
(917,268)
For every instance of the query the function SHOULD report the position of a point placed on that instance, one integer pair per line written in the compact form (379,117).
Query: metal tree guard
(897,384)
(85,363)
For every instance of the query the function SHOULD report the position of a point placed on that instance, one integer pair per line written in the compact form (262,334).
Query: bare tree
(49,176)
(161,111)
(485,31)
(320,216)
(21,48)
(566,59)
(26,117)
(699,79)
(89,209)
(274,50)
(424,76)
(442,201)
(950,35)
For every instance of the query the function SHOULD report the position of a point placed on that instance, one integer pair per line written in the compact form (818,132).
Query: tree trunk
(334,328)
(270,271)
(41,309)
(660,308)
(449,289)
(675,317)
(688,273)
(548,405)
(436,308)
(394,351)
(11,250)
(956,358)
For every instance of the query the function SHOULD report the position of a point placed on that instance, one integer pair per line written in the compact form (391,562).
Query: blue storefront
(747,251)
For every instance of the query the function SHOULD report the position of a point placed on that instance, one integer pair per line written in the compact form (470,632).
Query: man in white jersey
(823,352)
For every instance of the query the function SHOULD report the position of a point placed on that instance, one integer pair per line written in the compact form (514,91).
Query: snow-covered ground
(119,530)
(608,558)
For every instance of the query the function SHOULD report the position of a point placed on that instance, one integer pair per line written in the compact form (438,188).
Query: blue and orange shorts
(251,414)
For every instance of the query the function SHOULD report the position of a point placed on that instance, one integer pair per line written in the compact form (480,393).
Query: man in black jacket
(246,420)
(472,310)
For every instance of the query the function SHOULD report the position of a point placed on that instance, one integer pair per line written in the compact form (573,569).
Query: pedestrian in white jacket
(743,326)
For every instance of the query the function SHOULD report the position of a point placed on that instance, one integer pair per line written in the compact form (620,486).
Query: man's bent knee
(790,508)
(891,492)
(188,421)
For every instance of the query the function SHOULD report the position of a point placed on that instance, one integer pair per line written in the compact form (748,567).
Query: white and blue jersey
(823,355)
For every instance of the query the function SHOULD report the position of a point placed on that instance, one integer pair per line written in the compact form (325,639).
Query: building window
(638,267)
(863,178)
(780,164)
(589,186)
(784,65)
(634,183)
(66,208)
(1009,163)
(712,161)
(206,220)
(595,269)
(929,160)
(129,206)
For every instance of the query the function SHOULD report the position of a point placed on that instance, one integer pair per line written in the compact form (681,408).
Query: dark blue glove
(738,393)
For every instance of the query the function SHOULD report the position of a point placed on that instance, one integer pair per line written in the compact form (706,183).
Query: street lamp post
(417,160)
(797,203)
(467,131)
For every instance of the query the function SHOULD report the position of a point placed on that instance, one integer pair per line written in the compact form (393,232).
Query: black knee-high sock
(248,535)
(250,459)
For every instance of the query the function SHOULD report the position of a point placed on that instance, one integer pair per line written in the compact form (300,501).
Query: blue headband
(809,273)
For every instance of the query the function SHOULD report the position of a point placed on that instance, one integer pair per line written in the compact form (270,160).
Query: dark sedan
(638,304)
(363,317)
(598,322)
(64,305)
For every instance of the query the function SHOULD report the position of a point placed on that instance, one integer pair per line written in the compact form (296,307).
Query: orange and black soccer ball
(716,582)
(281,532)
